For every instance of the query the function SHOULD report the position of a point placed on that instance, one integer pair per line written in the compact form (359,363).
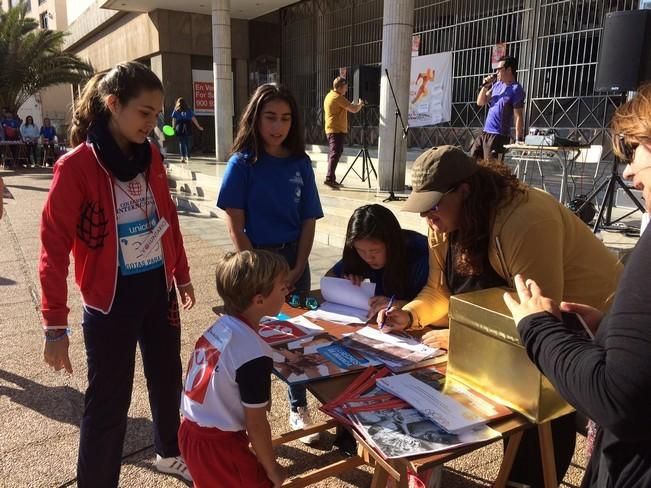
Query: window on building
(41,2)
(43,20)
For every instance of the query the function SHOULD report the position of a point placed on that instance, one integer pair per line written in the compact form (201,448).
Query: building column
(397,28)
(223,75)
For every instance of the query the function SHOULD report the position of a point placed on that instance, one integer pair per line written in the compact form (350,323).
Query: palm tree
(32,59)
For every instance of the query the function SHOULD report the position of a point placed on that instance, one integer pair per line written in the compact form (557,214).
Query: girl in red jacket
(110,205)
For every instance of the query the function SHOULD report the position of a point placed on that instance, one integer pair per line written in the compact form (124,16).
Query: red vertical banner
(203,92)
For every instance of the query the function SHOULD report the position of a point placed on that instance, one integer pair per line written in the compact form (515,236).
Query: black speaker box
(625,52)
(366,84)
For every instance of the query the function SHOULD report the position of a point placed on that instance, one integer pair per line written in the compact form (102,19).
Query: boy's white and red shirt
(230,368)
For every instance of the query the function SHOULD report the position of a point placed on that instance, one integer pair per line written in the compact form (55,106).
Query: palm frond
(33,59)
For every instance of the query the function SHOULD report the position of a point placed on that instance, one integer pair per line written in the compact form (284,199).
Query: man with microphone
(505,99)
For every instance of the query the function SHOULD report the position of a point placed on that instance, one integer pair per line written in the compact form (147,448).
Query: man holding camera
(505,99)
(335,108)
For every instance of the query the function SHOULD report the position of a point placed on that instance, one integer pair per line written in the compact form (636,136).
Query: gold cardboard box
(486,353)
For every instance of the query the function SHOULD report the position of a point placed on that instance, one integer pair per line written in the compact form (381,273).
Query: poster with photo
(430,89)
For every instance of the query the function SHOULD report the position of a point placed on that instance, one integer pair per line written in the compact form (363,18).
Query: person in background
(30,133)
(109,204)
(485,227)
(335,108)
(182,120)
(377,249)
(11,129)
(607,378)
(505,99)
(270,198)
(49,140)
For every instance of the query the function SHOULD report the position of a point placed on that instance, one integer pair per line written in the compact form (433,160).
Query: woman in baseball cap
(485,227)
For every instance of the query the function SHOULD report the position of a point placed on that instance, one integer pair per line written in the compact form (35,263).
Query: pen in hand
(386,310)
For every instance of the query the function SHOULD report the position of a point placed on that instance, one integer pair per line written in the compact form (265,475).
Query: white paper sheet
(399,340)
(343,292)
(339,314)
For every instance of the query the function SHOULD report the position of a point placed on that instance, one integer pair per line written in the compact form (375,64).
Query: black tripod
(611,183)
(392,196)
(367,163)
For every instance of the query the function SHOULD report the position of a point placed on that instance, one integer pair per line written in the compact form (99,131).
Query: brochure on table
(399,352)
(274,330)
(344,302)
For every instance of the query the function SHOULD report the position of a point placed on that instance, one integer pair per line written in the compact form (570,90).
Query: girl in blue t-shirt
(377,249)
(270,197)
(182,120)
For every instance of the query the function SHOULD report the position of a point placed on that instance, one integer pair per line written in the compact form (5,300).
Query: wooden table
(326,390)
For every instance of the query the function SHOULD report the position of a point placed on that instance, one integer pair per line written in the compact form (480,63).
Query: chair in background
(591,155)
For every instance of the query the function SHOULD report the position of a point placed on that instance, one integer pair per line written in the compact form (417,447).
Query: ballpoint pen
(389,305)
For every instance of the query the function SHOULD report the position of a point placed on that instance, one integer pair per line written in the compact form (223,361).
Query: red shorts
(217,458)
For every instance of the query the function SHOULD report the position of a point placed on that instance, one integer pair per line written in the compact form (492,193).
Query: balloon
(168,130)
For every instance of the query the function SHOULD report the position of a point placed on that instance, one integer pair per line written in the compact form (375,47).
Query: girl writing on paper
(378,249)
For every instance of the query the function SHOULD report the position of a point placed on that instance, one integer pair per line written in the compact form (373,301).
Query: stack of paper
(322,357)
(452,405)
(398,352)
(391,426)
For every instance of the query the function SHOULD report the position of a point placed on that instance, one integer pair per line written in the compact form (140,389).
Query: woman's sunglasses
(435,208)
(626,149)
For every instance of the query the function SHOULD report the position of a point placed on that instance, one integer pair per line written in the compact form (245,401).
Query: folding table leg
(507,461)
(547,454)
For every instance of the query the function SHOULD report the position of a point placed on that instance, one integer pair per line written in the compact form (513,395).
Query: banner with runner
(430,89)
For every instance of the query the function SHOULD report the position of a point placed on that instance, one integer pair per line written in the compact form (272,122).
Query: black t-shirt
(458,283)
(608,380)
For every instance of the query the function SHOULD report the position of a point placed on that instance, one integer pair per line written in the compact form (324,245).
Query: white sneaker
(300,420)
(173,465)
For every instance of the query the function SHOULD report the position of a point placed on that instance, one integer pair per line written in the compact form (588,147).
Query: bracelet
(411,319)
(55,335)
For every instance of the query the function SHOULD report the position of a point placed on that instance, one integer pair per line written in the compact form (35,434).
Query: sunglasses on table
(296,300)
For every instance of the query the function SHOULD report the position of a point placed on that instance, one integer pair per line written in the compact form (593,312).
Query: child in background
(270,198)
(228,385)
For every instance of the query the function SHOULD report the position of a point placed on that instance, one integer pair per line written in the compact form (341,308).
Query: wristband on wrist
(411,319)
(54,335)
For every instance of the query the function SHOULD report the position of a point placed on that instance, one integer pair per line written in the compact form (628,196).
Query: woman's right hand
(355,279)
(55,354)
(590,315)
(393,319)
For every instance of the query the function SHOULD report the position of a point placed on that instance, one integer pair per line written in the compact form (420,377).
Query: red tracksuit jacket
(79,216)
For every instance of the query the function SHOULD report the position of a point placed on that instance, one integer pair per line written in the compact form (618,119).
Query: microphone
(490,81)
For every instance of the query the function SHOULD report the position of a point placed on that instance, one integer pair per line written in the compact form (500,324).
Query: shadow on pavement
(69,407)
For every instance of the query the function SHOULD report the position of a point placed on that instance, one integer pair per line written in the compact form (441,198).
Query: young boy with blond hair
(228,385)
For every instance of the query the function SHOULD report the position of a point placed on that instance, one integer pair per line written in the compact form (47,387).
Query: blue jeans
(297,393)
(184,146)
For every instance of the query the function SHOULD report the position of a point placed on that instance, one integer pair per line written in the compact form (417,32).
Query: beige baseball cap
(435,172)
